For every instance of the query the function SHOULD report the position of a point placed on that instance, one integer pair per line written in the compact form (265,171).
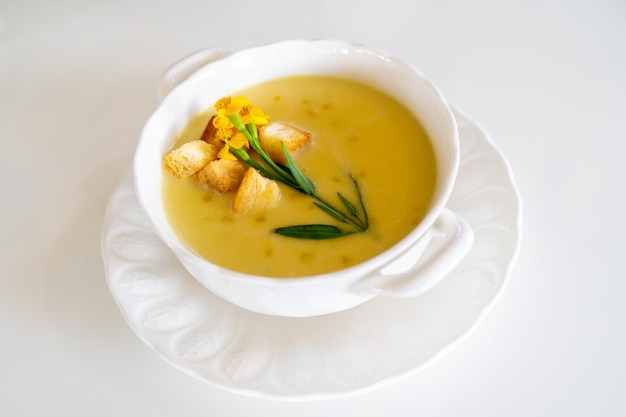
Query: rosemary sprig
(315,231)
(292,176)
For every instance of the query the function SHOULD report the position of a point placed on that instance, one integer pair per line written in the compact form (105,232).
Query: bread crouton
(256,194)
(189,158)
(209,134)
(223,175)
(272,134)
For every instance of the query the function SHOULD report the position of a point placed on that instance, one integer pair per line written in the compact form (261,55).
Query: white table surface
(547,79)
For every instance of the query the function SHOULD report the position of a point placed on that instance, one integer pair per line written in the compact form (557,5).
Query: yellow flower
(224,153)
(225,106)
(224,134)
(249,113)
(237,141)
(242,112)
(221,121)
(231,105)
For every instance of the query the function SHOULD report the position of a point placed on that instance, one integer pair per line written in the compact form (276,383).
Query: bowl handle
(183,68)
(426,263)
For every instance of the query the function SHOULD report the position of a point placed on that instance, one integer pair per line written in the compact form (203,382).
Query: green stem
(242,155)
(298,181)
(253,139)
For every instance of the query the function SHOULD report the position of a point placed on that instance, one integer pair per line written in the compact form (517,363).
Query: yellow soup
(357,131)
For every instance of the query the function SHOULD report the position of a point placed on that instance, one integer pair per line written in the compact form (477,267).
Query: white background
(547,80)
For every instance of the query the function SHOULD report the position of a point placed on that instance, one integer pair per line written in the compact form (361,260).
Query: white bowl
(409,268)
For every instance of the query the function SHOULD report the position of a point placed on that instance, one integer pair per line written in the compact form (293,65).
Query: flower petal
(224,153)
(221,121)
(238,140)
(250,113)
(236,103)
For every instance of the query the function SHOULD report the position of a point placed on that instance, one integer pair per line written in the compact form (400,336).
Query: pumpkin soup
(360,143)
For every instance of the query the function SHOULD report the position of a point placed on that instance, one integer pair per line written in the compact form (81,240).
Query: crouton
(223,175)
(189,158)
(209,134)
(256,194)
(272,134)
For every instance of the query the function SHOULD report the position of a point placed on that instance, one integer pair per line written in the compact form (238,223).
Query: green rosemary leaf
(283,167)
(358,191)
(285,175)
(306,184)
(330,210)
(312,231)
(243,156)
(349,205)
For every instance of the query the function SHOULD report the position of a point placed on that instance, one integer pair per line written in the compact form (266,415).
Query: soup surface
(356,131)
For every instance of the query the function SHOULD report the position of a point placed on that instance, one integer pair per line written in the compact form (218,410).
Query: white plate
(319,357)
